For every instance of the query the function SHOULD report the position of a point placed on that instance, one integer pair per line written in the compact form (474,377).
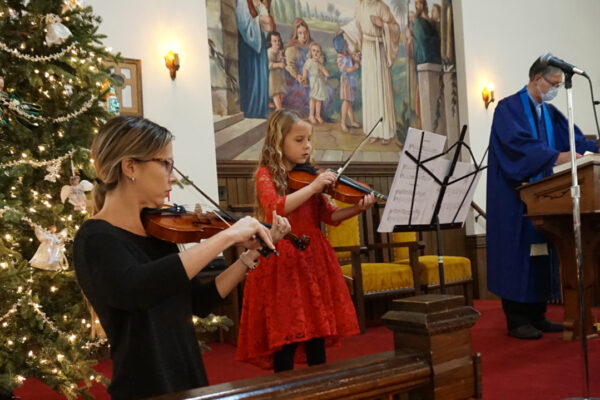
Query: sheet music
(398,206)
(453,208)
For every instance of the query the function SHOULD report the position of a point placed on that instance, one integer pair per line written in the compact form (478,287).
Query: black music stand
(448,179)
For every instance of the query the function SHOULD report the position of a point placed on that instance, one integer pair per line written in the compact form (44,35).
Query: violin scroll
(301,243)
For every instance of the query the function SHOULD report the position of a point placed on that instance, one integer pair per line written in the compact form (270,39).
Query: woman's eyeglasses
(168,164)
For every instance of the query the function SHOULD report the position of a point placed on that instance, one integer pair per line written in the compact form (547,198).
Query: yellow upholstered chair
(365,277)
(457,270)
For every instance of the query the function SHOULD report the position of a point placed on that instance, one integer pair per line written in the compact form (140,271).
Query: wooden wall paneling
(232,196)
(378,182)
(250,190)
(453,242)
(242,185)
(222,190)
(476,246)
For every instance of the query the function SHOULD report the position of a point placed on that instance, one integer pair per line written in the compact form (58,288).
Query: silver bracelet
(247,260)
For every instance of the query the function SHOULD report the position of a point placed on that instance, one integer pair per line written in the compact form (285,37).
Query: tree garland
(18,109)
(27,57)
(34,163)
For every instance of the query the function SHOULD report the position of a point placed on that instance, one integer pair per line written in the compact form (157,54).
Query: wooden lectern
(550,207)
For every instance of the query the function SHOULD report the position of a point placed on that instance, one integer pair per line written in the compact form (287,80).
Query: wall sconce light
(172,62)
(487,94)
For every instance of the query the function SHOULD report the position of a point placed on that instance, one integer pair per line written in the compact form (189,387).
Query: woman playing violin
(144,290)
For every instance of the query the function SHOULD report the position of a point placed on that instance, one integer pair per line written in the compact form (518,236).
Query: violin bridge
(198,210)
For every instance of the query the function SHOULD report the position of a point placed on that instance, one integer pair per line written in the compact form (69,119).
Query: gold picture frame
(129,94)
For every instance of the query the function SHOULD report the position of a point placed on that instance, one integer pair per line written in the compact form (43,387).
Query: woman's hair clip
(98,181)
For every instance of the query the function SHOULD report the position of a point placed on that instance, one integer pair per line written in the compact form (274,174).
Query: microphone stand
(575,194)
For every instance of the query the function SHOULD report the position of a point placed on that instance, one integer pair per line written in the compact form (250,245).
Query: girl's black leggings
(283,360)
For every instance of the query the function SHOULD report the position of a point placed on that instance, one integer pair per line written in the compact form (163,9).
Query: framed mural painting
(385,58)
(129,94)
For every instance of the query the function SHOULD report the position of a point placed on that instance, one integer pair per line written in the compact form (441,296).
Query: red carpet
(545,369)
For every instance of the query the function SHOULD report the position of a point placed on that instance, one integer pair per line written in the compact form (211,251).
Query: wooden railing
(432,360)
(480,211)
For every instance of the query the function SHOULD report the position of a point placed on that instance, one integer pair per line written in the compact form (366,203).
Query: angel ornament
(49,255)
(56,33)
(74,191)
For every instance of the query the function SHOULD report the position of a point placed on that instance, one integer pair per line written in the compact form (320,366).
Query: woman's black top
(145,302)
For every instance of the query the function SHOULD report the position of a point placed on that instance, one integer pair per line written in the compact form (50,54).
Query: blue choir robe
(253,64)
(518,154)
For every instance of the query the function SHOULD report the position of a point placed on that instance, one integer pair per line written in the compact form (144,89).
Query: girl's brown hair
(271,155)
(120,138)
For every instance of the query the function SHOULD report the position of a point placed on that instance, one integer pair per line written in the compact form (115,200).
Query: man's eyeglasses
(554,85)
(168,164)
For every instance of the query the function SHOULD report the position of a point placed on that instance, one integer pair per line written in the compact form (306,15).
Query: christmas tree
(53,79)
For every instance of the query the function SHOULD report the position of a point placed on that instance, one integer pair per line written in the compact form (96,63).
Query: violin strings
(206,208)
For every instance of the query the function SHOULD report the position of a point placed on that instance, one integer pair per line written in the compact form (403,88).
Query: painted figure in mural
(436,17)
(447,35)
(277,85)
(296,51)
(529,136)
(253,20)
(411,68)
(378,39)
(317,75)
(426,37)
(347,64)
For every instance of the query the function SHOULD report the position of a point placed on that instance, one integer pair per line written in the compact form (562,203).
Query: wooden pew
(432,360)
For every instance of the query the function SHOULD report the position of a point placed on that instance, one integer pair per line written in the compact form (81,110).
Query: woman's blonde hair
(120,138)
(271,155)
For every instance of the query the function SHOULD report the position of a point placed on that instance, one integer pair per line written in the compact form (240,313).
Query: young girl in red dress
(298,299)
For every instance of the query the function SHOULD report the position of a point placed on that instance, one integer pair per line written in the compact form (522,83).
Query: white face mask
(550,94)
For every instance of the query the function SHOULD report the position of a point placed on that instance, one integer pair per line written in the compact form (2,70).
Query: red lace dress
(299,295)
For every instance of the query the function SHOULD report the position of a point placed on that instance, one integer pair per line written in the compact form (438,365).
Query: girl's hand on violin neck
(279,227)
(322,180)
(244,229)
(366,202)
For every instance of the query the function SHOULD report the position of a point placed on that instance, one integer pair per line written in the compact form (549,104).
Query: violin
(177,225)
(345,189)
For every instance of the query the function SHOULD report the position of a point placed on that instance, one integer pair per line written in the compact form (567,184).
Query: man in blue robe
(528,138)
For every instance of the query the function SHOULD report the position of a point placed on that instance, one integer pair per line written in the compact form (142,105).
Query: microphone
(549,59)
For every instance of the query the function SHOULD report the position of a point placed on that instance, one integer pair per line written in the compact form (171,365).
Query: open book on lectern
(418,190)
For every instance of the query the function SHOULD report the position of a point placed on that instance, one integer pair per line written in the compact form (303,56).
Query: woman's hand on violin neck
(280,227)
(243,231)
(323,180)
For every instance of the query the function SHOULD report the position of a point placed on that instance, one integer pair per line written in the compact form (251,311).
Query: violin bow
(264,251)
(347,162)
